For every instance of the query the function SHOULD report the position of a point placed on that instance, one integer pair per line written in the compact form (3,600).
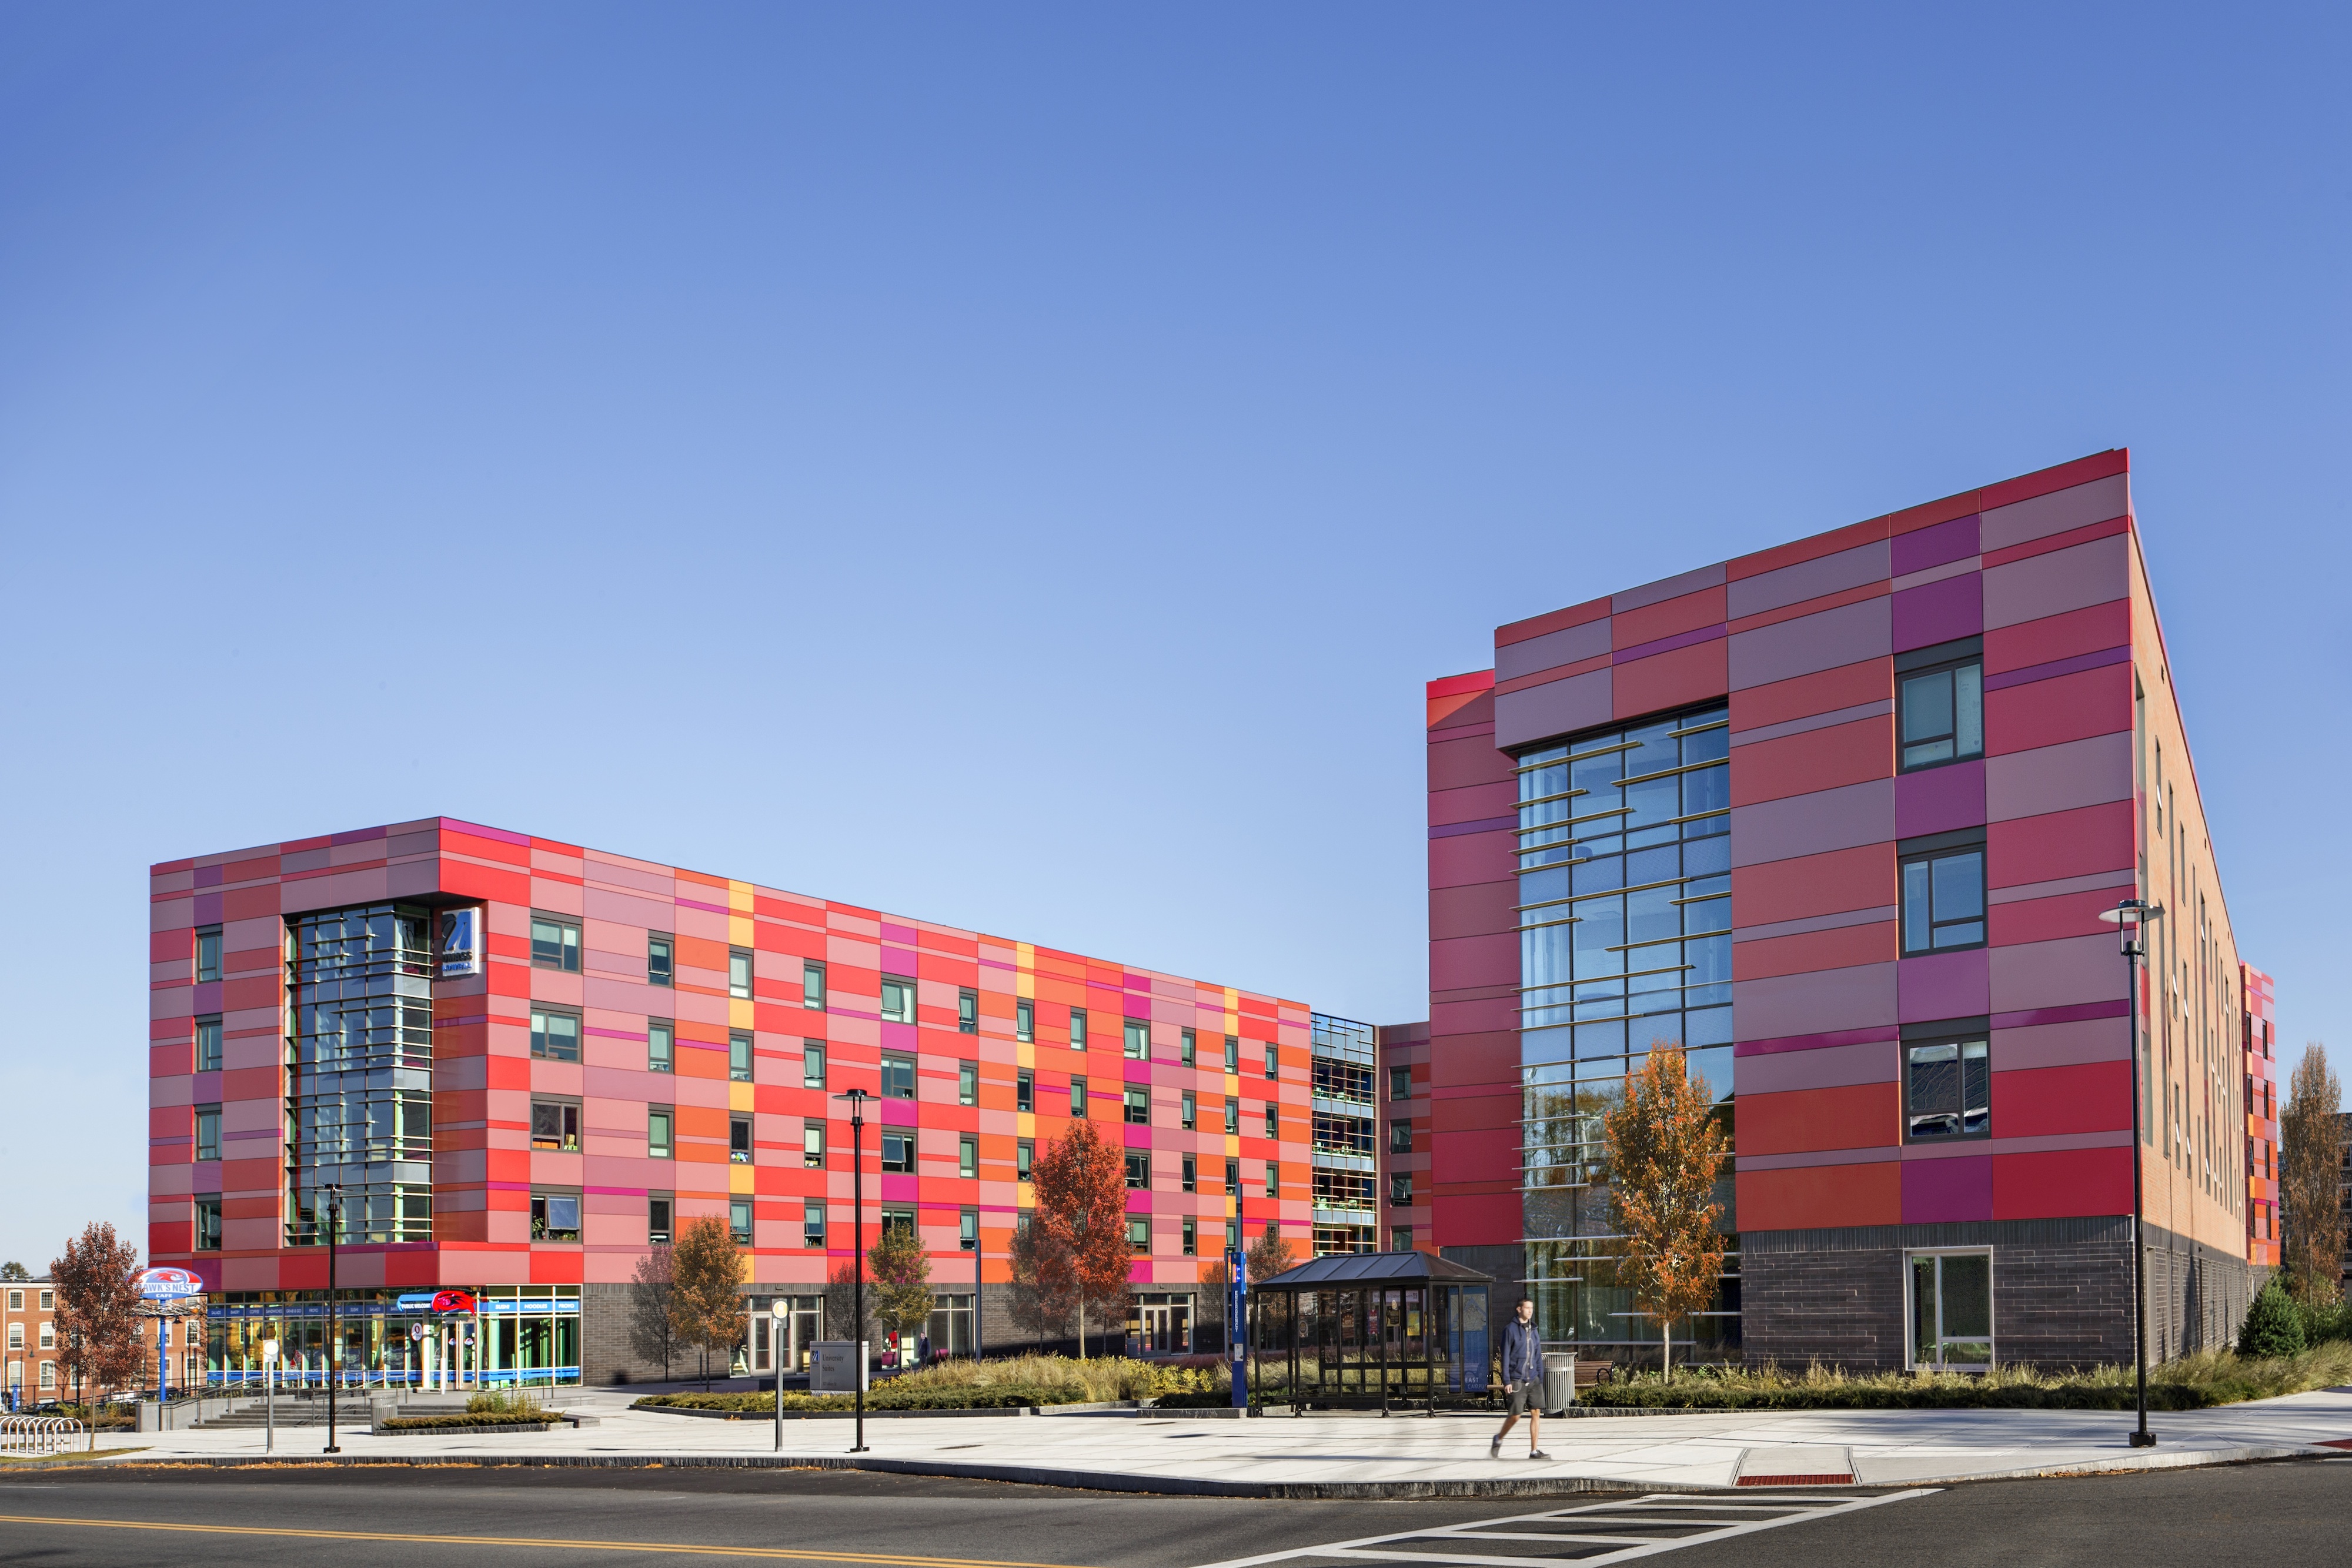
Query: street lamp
(2131,918)
(779,1309)
(335,1339)
(857,1098)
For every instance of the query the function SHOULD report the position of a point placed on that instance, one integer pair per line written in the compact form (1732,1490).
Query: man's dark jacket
(1522,1353)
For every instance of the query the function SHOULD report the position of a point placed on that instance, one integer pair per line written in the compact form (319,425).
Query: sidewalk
(1366,1456)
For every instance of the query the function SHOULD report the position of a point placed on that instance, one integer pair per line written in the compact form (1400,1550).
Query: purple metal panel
(2071,579)
(1551,650)
(1923,548)
(1816,1003)
(2059,778)
(1556,707)
(1838,819)
(1940,611)
(1823,641)
(1944,985)
(1807,580)
(1941,1191)
(1829,1067)
(1940,800)
(2065,973)
(2058,511)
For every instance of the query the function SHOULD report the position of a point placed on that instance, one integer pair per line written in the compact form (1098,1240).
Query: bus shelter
(1369,1329)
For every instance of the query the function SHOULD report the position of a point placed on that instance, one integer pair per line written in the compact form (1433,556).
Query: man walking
(1522,1379)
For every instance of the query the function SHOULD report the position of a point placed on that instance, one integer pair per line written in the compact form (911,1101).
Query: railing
(36,1434)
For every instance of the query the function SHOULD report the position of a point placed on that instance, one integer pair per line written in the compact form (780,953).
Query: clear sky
(1016,466)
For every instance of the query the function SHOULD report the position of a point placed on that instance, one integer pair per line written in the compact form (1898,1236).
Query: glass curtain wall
(527,1335)
(360,1072)
(1345,1126)
(1625,852)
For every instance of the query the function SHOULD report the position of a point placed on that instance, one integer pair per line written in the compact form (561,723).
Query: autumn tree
(1664,1149)
(706,1280)
(98,1313)
(1081,1187)
(1271,1254)
(841,1306)
(1044,1285)
(653,1334)
(900,1295)
(2312,1250)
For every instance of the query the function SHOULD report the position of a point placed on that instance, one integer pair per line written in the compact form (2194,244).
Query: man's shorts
(1527,1397)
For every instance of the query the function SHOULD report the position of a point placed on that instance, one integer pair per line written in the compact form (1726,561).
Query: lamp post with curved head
(2131,918)
(334,1341)
(778,1312)
(857,1098)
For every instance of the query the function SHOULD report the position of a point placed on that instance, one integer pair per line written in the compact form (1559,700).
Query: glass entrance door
(1951,1311)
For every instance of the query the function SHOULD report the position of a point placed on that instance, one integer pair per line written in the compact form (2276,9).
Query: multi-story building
(1346,1156)
(1405,1135)
(1836,821)
(29,1330)
(2258,1017)
(524,1064)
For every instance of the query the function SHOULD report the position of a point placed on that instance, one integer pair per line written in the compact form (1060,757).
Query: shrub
(1010,1383)
(512,1403)
(2274,1325)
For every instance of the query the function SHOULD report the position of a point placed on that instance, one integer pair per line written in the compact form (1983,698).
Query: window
(1951,1311)
(1024,1021)
(555,944)
(1232,1117)
(555,1217)
(1025,1156)
(967,1155)
(1401,1136)
(738,1140)
(208,1132)
(1078,1096)
(739,974)
(1401,1238)
(16,1334)
(208,1044)
(1138,1169)
(661,960)
(1233,1177)
(555,1037)
(1138,1235)
(208,953)
(967,1012)
(812,985)
(1078,1028)
(1024,1090)
(208,1224)
(48,1300)
(898,1219)
(898,1000)
(968,1231)
(967,1082)
(739,1058)
(898,1153)
(1192,1173)
(1273,1120)
(1188,1107)
(1273,1178)
(1272,1069)
(1232,1053)
(898,1077)
(1139,1041)
(1944,894)
(812,1225)
(1399,1082)
(813,1145)
(661,1225)
(812,1064)
(15,1300)
(1401,1190)
(48,1375)
(1232,1235)
(48,1336)
(661,1132)
(1139,1107)
(661,1045)
(1192,1237)
(555,1124)
(739,1221)
(1946,1091)
(1943,708)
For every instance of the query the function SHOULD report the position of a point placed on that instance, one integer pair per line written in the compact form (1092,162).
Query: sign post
(269,1395)
(1236,1324)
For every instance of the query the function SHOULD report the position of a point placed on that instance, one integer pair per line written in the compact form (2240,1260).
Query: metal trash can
(1559,1382)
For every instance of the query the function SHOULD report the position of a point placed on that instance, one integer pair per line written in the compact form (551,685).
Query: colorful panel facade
(2258,1020)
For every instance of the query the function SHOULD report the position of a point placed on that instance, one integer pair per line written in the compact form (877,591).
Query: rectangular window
(1232,1235)
(739,1221)
(738,1140)
(1943,712)
(1401,1136)
(898,1219)
(555,1124)
(1025,1156)
(898,1000)
(813,1145)
(967,1082)
(898,1077)
(1943,897)
(555,944)
(1401,1190)
(812,1225)
(1232,1053)
(48,1375)
(1138,1235)
(1273,1120)
(1192,1237)
(812,1064)
(661,1225)
(661,1045)
(48,1300)
(1272,1069)
(1946,1091)
(1192,1173)
(1233,1177)
(208,1044)
(739,974)
(208,1224)
(898,1153)
(1024,1090)
(1273,1179)
(15,1336)
(661,959)
(208,953)
(15,1300)
(1951,1311)
(555,1217)
(967,1012)
(1399,1082)
(48,1336)
(1139,1041)
(968,1231)
(1139,1107)
(812,985)
(661,1138)
(555,1037)
(1078,1028)
(739,1058)
(1024,1021)
(1138,1169)
(1186,1045)
(967,1155)
(208,1132)
(1078,1096)
(1190,1106)
(1401,1238)
(1232,1117)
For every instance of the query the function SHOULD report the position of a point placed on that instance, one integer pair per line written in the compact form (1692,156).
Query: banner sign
(454,1302)
(459,942)
(167,1284)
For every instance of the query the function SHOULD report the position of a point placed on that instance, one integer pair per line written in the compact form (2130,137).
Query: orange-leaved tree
(98,1314)
(706,1303)
(1664,1149)
(1081,1186)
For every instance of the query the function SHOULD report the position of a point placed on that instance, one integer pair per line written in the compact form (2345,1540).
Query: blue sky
(1016,466)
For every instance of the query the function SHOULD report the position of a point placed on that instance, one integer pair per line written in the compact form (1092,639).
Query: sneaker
(1494,1449)
(1537,1454)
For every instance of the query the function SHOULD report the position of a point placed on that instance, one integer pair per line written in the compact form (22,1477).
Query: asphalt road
(2280,1515)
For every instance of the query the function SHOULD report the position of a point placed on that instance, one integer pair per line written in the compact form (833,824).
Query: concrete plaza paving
(1362,1455)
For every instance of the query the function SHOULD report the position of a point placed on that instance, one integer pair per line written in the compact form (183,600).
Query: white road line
(1436,1544)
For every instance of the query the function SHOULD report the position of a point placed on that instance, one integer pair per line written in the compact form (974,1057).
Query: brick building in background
(1836,820)
(527,1062)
